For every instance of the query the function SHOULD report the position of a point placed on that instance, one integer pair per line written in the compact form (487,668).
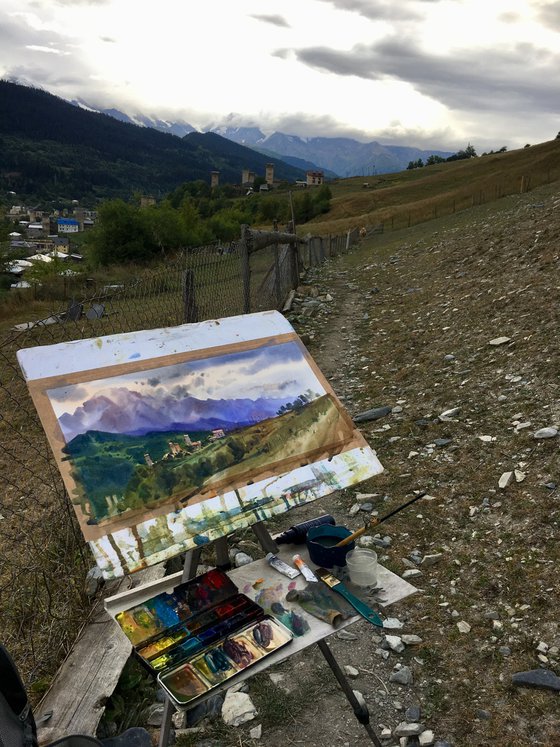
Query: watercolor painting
(170,439)
(171,434)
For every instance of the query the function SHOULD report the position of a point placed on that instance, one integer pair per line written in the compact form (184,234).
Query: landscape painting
(167,442)
(183,432)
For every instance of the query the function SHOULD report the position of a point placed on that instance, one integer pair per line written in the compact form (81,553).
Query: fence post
(190,311)
(294,264)
(246,268)
(277,279)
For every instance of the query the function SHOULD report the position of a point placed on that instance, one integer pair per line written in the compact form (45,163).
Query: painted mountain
(134,414)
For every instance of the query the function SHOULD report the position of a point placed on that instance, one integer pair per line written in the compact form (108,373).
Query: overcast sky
(433,73)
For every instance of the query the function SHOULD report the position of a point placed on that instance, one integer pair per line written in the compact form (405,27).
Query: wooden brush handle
(352,537)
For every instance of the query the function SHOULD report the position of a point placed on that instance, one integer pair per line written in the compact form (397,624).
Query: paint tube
(304,569)
(279,565)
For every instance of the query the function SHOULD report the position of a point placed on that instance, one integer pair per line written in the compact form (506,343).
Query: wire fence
(44,559)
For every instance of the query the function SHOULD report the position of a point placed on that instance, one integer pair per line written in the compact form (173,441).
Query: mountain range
(335,156)
(133,414)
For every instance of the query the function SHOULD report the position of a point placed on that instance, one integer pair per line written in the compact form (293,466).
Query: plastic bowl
(362,566)
(320,544)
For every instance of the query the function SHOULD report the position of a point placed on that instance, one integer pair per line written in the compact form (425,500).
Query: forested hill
(51,149)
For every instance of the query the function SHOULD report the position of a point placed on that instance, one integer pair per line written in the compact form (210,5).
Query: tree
(431,160)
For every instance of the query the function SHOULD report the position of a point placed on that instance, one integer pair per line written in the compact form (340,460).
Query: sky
(274,372)
(424,73)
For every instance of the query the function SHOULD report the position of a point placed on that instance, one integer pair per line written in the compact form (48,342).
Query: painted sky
(431,73)
(274,372)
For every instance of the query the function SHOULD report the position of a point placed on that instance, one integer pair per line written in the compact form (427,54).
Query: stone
(505,650)
(351,671)
(405,729)
(242,558)
(360,698)
(549,432)
(256,732)
(449,357)
(210,707)
(505,480)
(411,640)
(440,442)
(463,627)
(483,715)
(543,647)
(237,709)
(411,573)
(486,439)
(428,560)
(519,475)
(412,713)
(443,743)
(345,635)
(395,643)
(447,415)
(155,714)
(354,509)
(499,341)
(366,507)
(543,679)
(426,738)
(374,414)
(392,623)
(402,676)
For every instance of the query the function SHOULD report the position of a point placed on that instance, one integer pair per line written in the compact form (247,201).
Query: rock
(483,715)
(442,441)
(412,713)
(464,627)
(428,560)
(411,573)
(242,558)
(447,415)
(448,357)
(354,509)
(366,507)
(93,582)
(237,709)
(392,623)
(543,647)
(499,341)
(155,714)
(360,698)
(426,738)
(549,432)
(411,640)
(351,671)
(543,679)
(442,743)
(366,541)
(519,475)
(486,439)
(395,643)
(375,414)
(505,650)
(407,730)
(345,635)
(402,676)
(505,480)
(256,732)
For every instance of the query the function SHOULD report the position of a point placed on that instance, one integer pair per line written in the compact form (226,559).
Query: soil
(409,325)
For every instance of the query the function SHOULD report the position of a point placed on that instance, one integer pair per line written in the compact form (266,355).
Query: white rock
(354,509)
(431,559)
(411,640)
(464,627)
(449,414)
(411,573)
(351,671)
(499,341)
(542,648)
(505,480)
(522,426)
(237,708)
(426,738)
(392,623)
(256,732)
(242,558)
(395,643)
(486,439)
(546,432)
(519,475)
(360,698)
(407,730)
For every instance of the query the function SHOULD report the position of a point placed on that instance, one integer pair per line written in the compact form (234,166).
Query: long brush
(374,522)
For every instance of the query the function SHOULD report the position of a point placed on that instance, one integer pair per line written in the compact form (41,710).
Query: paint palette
(200,634)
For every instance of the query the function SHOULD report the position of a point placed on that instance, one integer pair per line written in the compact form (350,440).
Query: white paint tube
(279,565)
(304,569)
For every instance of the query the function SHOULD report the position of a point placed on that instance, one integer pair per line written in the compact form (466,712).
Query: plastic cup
(362,566)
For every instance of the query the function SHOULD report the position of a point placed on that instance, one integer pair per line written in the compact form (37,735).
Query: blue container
(320,544)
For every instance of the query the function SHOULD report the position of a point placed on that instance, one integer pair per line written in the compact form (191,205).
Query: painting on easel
(175,445)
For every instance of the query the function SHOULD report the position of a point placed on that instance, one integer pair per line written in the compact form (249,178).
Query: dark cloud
(524,76)
(275,20)
(381,10)
(549,15)
(155,381)
(108,39)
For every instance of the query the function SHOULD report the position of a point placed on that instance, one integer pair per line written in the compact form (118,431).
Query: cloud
(522,76)
(48,50)
(108,39)
(381,10)
(275,20)
(549,14)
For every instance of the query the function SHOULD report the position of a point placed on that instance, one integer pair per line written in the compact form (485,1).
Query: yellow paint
(99,343)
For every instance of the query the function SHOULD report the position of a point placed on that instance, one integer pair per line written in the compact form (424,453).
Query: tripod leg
(360,711)
(165,729)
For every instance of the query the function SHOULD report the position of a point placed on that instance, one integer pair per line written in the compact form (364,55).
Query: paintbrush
(361,607)
(375,521)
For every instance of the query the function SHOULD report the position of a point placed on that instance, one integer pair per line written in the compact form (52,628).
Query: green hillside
(51,150)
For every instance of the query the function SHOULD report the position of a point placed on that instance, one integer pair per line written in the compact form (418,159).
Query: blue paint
(134,355)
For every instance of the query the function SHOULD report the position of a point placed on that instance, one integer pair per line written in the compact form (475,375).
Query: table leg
(360,711)
(165,729)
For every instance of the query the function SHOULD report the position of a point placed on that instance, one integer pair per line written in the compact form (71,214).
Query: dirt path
(407,321)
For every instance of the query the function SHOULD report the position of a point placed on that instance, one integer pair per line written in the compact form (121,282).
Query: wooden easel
(268,544)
